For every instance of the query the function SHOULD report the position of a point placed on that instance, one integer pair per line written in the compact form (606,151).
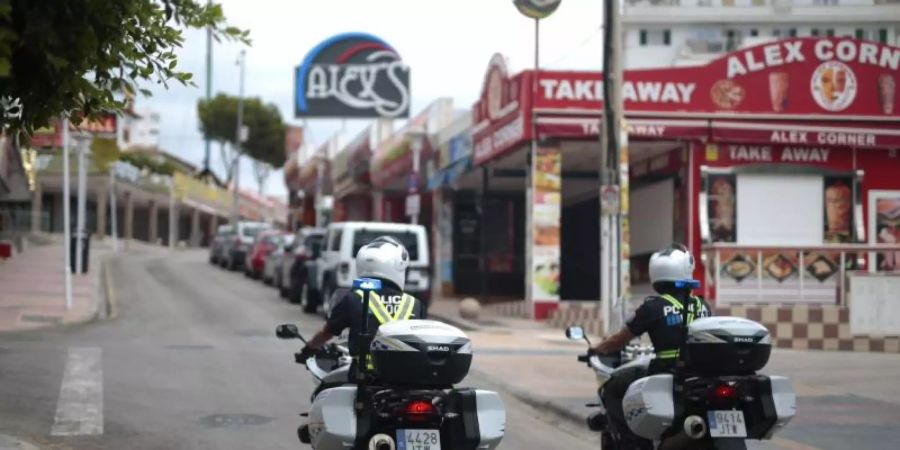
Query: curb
(14,443)
(458,323)
(537,402)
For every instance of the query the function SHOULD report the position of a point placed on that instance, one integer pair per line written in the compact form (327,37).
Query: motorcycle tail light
(419,410)
(724,392)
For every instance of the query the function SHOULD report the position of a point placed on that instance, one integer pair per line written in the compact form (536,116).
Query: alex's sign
(352,75)
(828,76)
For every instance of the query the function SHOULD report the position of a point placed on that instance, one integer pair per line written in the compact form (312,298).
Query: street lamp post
(80,225)
(67,215)
(240,136)
(417,142)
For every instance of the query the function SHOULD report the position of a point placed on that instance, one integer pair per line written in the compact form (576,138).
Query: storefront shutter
(779,209)
(651,217)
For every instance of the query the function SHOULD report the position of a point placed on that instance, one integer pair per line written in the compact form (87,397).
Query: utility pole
(240,136)
(67,213)
(614,253)
(114,212)
(208,86)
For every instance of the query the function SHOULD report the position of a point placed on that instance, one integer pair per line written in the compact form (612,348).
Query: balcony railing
(783,274)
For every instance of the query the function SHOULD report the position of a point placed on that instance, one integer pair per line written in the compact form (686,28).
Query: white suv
(337,263)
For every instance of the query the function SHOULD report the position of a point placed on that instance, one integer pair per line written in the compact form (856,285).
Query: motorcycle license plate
(418,439)
(726,424)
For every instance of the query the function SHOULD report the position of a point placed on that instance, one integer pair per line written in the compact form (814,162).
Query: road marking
(79,410)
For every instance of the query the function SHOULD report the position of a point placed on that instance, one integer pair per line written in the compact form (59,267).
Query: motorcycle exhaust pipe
(382,442)
(694,428)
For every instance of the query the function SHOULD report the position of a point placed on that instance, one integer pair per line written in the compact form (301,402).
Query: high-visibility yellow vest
(376,306)
(698,305)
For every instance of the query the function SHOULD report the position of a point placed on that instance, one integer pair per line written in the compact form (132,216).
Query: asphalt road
(189,362)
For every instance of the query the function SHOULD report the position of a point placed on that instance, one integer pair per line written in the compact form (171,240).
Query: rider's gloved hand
(304,354)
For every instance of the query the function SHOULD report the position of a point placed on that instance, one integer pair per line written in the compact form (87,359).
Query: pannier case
(649,407)
(727,345)
(422,353)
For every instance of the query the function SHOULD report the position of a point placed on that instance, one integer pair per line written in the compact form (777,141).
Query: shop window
(829,32)
(883,35)
(643,37)
(884,226)
(814,32)
(667,37)
(754,32)
(792,32)
(721,202)
(776,33)
(860,33)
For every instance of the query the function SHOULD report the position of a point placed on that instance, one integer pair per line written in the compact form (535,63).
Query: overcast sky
(446,43)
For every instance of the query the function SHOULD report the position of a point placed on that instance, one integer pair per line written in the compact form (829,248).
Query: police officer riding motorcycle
(384,259)
(664,317)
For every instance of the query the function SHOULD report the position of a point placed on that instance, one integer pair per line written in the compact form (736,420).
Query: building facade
(662,33)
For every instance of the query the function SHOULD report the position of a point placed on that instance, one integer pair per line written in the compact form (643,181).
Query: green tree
(87,56)
(265,143)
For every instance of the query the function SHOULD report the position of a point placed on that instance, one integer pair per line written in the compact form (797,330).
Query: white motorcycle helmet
(673,265)
(384,258)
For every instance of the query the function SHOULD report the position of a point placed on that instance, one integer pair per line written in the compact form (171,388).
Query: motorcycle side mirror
(287,331)
(575,333)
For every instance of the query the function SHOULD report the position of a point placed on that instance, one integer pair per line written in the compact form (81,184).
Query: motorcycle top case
(727,345)
(421,353)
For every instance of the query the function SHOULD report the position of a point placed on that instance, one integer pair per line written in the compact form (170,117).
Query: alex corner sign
(822,76)
(352,75)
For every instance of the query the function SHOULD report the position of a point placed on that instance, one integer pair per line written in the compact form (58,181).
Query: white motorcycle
(407,401)
(715,400)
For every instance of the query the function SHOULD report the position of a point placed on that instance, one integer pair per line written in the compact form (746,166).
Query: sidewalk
(534,362)
(836,391)
(32,288)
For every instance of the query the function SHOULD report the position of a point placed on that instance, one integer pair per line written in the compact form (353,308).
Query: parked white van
(337,263)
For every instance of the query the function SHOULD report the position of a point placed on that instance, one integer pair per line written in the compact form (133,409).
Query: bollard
(469,308)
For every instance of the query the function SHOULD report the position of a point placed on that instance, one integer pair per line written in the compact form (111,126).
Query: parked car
(336,266)
(271,273)
(298,272)
(265,242)
(239,243)
(217,245)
